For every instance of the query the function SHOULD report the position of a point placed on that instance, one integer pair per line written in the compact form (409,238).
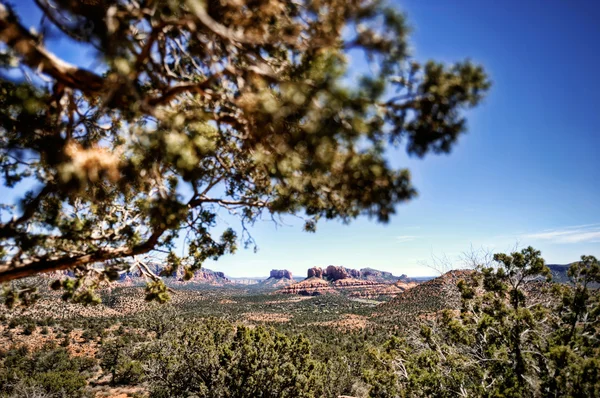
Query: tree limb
(10,272)
(198,8)
(174,91)
(30,209)
(37,57)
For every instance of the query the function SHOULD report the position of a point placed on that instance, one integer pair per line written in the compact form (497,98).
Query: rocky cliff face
(278,278)
(315,272)
(208,276)
(204,276)
(281,274)
(333,273)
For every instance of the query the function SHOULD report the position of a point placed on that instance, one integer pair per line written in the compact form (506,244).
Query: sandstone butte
(278,278)
(365,283)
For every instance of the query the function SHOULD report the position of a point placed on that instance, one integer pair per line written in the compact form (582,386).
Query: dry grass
(347,322)
(266,317)
(36,340)
(292,299)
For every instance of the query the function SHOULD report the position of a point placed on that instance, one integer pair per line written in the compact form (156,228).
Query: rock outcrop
(315,272)
(281,274)
(365,283)
(204,276)
(207,276)
(333,273)
(277,279)
(312,286)
(350,286)
(374,274)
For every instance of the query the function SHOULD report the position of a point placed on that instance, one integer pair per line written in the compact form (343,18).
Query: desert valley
(346,316)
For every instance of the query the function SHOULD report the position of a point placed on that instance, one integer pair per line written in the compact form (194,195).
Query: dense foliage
(48,372)
(505,341)
(215,360)
(244,106)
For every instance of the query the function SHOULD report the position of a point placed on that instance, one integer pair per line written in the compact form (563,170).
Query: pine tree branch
(10,271)
(34,55)
(17,37)
(8,229)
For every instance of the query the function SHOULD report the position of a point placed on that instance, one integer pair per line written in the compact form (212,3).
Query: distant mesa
(248,281)
(374,274)
(334,273)
(207,276)
(204,276)
(281,274)
(315,272)
(278,278)
(559,272)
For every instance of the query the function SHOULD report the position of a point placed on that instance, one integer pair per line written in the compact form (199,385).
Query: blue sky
(527,172)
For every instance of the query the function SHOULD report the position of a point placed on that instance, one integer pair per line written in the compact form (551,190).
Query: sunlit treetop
(256,107)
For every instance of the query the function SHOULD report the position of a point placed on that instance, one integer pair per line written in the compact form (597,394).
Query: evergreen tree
(215,359)
(512,338)
(573,351)
(198,106)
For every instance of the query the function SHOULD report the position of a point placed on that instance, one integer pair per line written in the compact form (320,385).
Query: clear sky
(528,171)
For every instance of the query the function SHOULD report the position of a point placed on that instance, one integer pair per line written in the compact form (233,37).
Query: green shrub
(218,359)
(67,383)
(50,371)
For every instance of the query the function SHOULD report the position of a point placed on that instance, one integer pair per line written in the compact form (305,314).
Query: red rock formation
(280,274)
(354,273)
(309,287)
(352,287)
(278,278)
(334,273)
(366,283)
(315,272)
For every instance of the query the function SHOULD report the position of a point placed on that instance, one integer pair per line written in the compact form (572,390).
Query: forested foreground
(514,335)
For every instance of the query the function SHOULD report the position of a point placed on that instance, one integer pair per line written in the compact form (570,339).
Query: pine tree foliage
(215,359)
(245,106)
(515,336)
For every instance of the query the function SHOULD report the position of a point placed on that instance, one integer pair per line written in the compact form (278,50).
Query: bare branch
(8,229)
(37,57)
(10,271)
